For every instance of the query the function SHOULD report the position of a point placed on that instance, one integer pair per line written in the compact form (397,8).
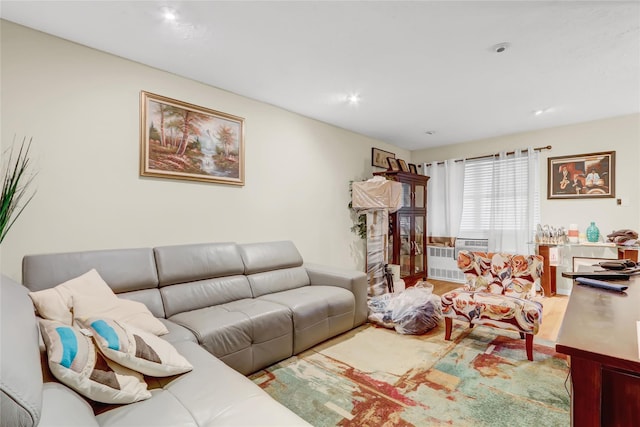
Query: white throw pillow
(56,303)
(89,295)
(74,360)
(132,312)
(136,349)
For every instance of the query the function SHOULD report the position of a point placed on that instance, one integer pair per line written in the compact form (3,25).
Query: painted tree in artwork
(162,110)
(226,136)
(189,122)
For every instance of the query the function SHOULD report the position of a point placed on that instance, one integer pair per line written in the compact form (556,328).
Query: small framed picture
(413,168)
(403,165)
(393,164)
(379,157)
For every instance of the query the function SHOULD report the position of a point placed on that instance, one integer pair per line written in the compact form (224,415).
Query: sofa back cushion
(131,273)
(273,267)
(267,256)
(200,275)
(20,372)
(204,293)
(269,282)
(190,263)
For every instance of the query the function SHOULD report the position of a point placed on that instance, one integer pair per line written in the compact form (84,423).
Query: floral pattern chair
(496,293)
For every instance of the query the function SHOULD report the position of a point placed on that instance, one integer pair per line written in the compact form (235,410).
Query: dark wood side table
(599,334)
(548,279)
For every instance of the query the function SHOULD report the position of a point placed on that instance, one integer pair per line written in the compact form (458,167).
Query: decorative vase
(593,233)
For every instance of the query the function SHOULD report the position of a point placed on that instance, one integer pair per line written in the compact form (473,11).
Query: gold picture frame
(179,140)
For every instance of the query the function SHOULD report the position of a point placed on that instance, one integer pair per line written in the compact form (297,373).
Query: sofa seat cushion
(61,406)
(177,332)
(212,395)
(319,313)
(501,311)
(248,334)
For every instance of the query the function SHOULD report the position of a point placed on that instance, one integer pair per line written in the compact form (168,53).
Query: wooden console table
(600,335)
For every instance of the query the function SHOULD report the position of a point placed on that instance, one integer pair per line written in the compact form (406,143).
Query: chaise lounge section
(226,305)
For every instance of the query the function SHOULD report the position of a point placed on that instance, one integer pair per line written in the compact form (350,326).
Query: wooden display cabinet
(408,227)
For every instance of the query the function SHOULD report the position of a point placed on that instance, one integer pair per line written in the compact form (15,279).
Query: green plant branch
(15,185)
(360,220)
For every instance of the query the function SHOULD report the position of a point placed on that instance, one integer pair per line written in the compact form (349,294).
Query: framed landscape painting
(582,176)
(184,141)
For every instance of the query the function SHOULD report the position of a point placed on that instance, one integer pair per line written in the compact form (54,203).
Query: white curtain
(444,197)
(514,202)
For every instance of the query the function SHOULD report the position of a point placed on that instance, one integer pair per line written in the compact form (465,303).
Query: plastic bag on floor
(413,311)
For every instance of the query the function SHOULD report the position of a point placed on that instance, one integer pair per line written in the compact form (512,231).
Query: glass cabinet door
(405,245)
(406,195)
(418,241)
(419,196)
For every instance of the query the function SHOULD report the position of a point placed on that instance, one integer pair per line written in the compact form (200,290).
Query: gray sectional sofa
(231,309)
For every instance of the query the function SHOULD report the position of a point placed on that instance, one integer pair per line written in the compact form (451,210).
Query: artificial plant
(360,220)
(15,187)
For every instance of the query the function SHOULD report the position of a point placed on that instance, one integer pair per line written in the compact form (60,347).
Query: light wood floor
(552,312)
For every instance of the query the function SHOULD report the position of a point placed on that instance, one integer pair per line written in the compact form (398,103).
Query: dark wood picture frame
(413,168)
(379,157)
(393,164)
(403,165)
(582,176)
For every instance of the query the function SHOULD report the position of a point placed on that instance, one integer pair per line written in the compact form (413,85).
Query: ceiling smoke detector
(500,47)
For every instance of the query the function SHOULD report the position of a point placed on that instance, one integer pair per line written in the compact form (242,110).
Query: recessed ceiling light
(542,111)
(353,99)
(169,14)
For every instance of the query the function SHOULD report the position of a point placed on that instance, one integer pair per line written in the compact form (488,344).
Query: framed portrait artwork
(179,140)
(582,176)
(393,164)
(413,168)
(379,157)
(403,165)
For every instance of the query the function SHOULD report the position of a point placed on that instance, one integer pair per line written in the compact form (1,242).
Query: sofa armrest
(351,280)
(20,373)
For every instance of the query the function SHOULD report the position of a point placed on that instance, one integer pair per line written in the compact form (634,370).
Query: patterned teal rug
(373,376)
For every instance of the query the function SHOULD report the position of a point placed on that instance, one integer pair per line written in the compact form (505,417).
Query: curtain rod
(548,147)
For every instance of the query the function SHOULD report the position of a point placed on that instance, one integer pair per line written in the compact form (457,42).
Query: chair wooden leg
(448,325)
(529,345)
(521,335)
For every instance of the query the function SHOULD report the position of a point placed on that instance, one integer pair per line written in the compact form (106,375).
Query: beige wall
(81,106)
(619,134)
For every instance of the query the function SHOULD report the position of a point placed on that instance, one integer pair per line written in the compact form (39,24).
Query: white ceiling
(417,66)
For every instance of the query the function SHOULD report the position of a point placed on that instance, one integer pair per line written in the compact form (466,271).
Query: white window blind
(501,186)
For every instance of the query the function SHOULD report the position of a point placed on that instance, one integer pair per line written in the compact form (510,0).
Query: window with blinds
(508,201)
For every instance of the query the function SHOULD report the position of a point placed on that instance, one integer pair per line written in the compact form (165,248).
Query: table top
(601,325)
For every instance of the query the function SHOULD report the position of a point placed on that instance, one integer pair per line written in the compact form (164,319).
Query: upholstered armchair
(497,293)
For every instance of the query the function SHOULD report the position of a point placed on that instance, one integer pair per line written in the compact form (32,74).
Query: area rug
(373,376)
